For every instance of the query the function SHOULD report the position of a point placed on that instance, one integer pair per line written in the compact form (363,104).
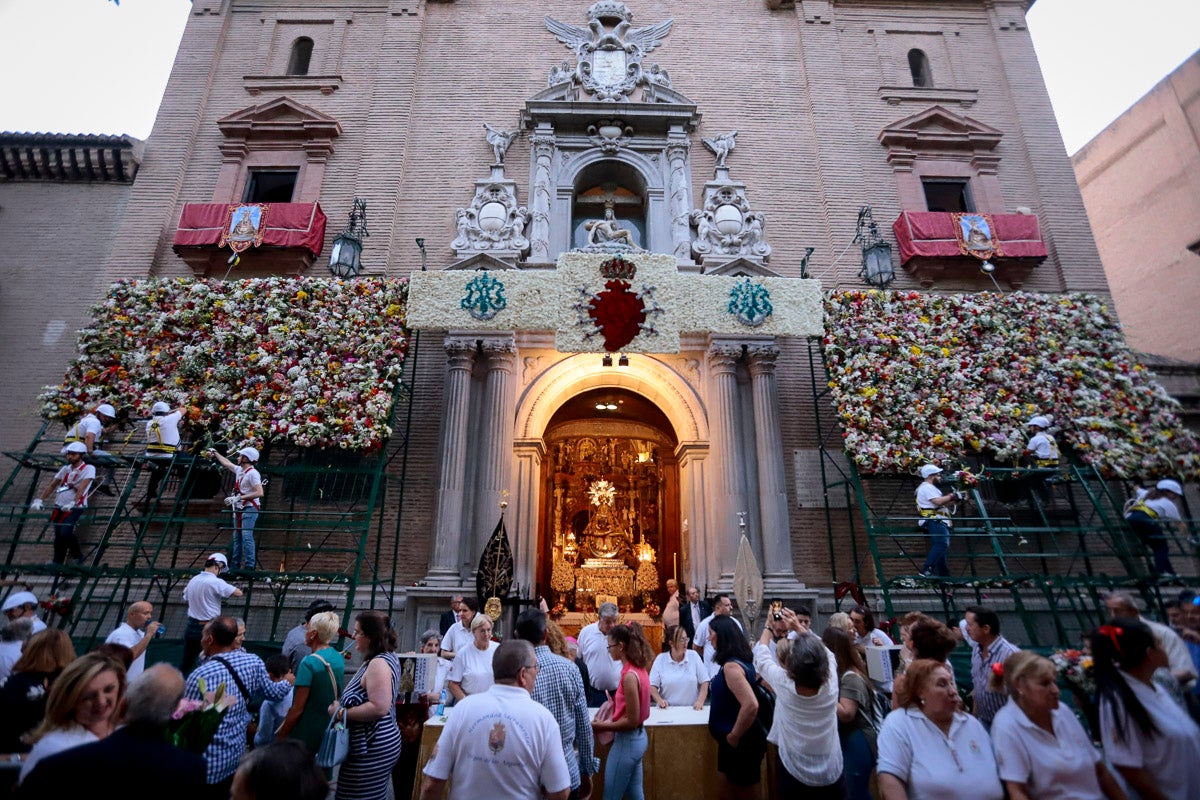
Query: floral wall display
(930,378)
(310,361)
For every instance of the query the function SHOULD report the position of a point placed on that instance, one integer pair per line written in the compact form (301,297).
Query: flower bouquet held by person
(195,722)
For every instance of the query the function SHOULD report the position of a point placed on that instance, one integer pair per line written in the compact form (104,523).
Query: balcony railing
(933,245)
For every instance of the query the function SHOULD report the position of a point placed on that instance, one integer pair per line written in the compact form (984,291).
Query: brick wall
(1139,179)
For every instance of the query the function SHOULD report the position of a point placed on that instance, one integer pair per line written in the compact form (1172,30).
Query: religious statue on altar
(604,537)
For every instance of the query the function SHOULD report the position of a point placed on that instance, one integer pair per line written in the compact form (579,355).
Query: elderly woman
(1147,736)
(928,638)
(840,619)
(431,644)
(82,707)
(23,693)
(320,676)
(471,671)
(806,725)
(855,713)
(678,677)
(930,749)
(368,706)
(1039,744)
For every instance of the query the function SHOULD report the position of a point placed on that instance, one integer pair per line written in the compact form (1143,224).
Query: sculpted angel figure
(499,140)
(721,146)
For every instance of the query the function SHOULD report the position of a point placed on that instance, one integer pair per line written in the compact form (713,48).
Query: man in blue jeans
(935,509)
(245,503)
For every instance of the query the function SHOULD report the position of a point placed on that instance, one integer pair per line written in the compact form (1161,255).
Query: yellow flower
(916,351)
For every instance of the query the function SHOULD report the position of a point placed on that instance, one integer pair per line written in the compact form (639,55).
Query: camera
(778,615)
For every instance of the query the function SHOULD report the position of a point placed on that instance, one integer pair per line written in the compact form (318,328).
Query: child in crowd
(271,715)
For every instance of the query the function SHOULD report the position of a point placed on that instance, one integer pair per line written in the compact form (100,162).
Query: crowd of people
(534,715)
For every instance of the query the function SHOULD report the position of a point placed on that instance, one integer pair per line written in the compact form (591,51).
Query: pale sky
(89,66)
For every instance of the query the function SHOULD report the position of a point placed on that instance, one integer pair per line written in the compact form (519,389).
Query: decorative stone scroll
(548,300)
(727,228)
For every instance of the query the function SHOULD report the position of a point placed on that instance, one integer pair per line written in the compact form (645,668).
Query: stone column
(698,562)
(542,145)
(728,496)
(776,537)
(496,450)
(451,498)
(523,509)
(679,203)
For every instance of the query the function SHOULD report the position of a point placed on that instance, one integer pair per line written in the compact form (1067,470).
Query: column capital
(501,353)
(723,358)
(762,359)
(460,352)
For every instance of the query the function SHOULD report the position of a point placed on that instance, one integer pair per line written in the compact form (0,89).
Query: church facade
(709,145)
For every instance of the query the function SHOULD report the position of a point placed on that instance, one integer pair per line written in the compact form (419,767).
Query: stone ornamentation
(721,146)
(607,236)
(750,302)
(610,135)
(492,223)
(609,52)
(727,227)
(485,297)
(499,140)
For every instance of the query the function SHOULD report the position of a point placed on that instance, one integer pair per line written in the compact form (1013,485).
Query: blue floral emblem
(750,302)
(485,297)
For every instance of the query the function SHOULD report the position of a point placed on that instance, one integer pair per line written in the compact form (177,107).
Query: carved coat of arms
(609,50)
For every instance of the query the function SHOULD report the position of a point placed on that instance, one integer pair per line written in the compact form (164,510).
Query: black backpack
(766,706)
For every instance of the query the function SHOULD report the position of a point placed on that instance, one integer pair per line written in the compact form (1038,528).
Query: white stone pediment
(279,118)
(939,127)
(740,268)
(480,261)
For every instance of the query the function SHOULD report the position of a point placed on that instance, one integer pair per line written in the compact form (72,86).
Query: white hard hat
(1168,485)
(219,558)
(106,410)
(76,447)
(929,469)
(159,408)
(249,452)
(1040,421)
(18,599)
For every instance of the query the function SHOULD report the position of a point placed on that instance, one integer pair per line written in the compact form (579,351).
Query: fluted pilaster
(772,490)
(729,497)
(448,528)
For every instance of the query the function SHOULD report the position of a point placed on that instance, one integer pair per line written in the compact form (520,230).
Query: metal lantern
(877,269)
(345,259)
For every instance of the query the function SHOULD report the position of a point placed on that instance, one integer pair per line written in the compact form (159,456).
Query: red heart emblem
(619,314)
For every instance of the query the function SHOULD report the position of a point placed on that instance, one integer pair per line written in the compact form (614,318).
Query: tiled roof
(68,157)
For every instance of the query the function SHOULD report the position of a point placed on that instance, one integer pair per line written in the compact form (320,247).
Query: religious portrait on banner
(976,236)
(244,227)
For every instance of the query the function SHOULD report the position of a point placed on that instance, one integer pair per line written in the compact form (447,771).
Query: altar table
(680,761)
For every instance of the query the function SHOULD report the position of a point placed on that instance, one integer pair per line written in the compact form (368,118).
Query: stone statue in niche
(499,140)
(721,146)
(606,234)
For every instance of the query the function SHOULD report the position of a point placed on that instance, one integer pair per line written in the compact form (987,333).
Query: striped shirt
(987,702)
(559,688)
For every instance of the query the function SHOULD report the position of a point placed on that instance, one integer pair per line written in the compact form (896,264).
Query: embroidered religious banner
(976,235)
(244,226)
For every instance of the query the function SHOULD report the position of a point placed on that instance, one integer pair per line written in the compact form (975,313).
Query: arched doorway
(609,522)
(673,418)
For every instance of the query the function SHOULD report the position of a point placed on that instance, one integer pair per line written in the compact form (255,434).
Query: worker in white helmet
(71,487)
(1153,516)
(89,431)
(162,440)
(245,502)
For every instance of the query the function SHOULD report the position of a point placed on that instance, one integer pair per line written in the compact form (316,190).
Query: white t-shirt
(805,728)
(1043,446)
(55,742)
(710,652)
(678,681)
(934,766)
(38,625)
(1163,506)
(1171,757)
(244,480)
(500,745)
(203,595)
(457,637)
(80,430)
(472,668)
(9,653)
(926,493)
(164,430)
(130,637)
(1061,766)
(70,480)
(603,672)
(1178,658)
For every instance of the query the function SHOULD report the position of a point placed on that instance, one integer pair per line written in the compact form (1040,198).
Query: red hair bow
(1112,632)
